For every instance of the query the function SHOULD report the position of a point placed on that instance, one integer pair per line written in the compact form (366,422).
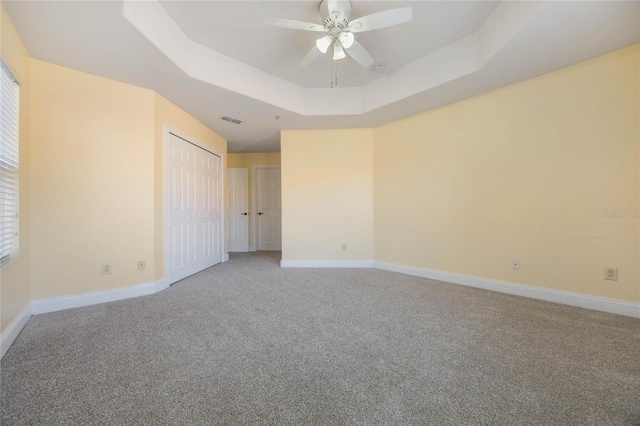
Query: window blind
(9,165)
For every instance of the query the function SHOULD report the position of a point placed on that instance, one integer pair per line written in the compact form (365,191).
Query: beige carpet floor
(247,342)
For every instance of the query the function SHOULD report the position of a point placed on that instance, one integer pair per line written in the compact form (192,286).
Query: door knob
(260,213)
(243,214)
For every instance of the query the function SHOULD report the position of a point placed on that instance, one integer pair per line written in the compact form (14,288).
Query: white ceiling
(236,29)
(449,51)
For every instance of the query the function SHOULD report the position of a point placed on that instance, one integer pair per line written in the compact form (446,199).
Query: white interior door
(269,209)
(238,190)
(194,209)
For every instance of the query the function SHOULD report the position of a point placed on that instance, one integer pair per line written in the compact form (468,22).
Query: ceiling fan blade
(309,57)
(294,25)
(360,54)
(379,20)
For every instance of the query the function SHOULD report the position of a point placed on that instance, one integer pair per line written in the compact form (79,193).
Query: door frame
(254,202)
(165,170)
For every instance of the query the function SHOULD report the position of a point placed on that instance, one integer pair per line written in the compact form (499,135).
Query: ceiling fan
(339,30)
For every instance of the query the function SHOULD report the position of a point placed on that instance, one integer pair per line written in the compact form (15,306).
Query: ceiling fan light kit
(340,30)
(338,52)
(323,43)
(346,39)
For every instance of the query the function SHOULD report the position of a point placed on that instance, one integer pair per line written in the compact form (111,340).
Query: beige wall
(253,159)
(249,160)
(327,194)
(91,181)
(98,180)
(525,172)
(14,279)
(92,177)
(167,114)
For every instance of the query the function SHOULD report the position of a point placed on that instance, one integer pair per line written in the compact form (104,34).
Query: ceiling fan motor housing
(335,24)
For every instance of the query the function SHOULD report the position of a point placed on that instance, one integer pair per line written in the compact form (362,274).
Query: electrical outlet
(611,274)
(106,268)
(142,265)
(344,247)
(515,264)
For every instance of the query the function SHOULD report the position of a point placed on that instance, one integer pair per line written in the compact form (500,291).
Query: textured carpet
(247,342)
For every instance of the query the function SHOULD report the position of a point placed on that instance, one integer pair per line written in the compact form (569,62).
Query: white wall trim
(43,306)
(434,70)
(12,331)
(580,300)
(226,257)
(603,304)
(161,284)
(326,263)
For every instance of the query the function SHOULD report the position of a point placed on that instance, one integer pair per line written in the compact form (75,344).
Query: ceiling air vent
(231,119)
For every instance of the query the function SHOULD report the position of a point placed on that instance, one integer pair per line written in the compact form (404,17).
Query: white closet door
(194,209)
(211,209)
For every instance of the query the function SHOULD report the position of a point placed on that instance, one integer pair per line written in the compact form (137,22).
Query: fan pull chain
(331,76)
(334,74)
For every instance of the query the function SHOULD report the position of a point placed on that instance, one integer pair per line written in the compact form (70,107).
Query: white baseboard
(226,257)
(326,263)
(580,300)
(10,334)
(161,284)
(43,306)
(603,304)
